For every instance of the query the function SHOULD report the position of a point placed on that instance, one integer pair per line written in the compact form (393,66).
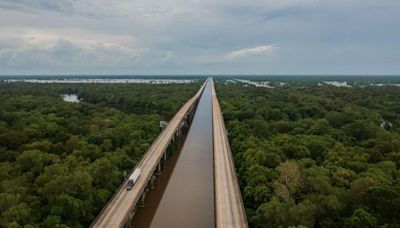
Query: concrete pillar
(153,178)
(159,169)
(165,156)
(142,197)
(128,222)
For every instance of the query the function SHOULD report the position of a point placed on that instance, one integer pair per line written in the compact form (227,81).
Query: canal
(184,193)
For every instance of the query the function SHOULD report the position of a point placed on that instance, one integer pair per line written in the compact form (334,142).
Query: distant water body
(102,81)
(267,81)
(72,98)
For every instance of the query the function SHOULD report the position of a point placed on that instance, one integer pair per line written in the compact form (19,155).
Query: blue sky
(200,37)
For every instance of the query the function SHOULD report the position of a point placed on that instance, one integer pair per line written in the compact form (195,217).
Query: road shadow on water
(144,215)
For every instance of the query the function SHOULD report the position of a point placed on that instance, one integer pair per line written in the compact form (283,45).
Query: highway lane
(117,210)
(229,209)
(188,199)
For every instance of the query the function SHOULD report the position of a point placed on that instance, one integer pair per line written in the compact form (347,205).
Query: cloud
(149,9)
(196,36)
(26,5)
(62,53)
(25,48)
(263,49)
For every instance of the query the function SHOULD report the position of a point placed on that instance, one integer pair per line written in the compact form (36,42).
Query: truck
(132,179)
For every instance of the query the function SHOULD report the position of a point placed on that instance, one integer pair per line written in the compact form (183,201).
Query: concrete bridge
(229,210)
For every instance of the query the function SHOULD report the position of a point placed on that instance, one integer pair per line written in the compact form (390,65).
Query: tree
(302,214)
(105,174)
(13,139)
(271,214)
(53,222)
(55,170)
(346,160)
(384,201)
(289,179)
(69,209)
(361,219)
(35,161)
(19,213)
(361,130)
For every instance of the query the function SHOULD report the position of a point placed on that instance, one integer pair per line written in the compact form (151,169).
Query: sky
(200,37)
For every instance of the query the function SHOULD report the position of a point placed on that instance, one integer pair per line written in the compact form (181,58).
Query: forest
(60,162)
(315,156)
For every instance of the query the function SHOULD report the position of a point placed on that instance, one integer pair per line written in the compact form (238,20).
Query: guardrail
(229,209)
(191,103)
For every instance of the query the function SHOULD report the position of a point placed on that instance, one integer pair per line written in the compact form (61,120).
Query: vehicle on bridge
(133,178)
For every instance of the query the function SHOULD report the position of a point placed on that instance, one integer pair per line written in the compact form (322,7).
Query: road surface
(229,210)
(119,207)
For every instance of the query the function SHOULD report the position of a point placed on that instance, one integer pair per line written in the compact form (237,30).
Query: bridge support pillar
(142,197)
(153,178)
(159,169)
(165,156)
(128,222)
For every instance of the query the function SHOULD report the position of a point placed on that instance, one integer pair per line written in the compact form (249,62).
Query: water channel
(184,193)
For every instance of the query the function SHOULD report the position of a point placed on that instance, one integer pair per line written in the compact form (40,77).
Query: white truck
(132,179)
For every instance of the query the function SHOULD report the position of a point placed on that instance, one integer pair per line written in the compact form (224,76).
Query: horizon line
(202,75)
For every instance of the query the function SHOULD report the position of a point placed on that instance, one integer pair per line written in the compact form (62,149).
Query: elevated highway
(122,205)
(229,209)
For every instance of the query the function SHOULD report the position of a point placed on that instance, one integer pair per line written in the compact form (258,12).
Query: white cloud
(67,53)
(80,37)
(195,36)
(263,49)
(36,48)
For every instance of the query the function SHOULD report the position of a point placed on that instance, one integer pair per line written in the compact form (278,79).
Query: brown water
(184,194)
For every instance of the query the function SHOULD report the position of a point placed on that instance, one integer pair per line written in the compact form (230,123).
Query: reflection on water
(184,195)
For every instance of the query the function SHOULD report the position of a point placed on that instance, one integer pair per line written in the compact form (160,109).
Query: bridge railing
(123,184)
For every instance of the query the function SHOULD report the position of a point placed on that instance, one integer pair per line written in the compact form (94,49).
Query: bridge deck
(229,210)
(119,207)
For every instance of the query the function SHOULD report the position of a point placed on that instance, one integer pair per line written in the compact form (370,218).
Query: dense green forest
(60,162)
(316,156)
